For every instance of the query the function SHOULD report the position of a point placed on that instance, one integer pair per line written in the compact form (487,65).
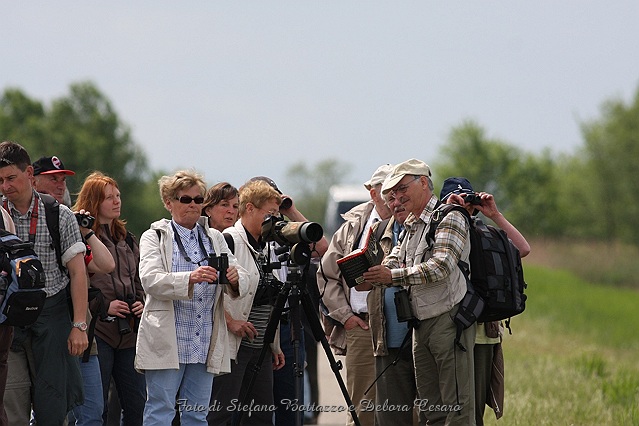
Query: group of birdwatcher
(174,327)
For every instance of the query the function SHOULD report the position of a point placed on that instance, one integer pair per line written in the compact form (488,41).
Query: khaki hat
(409,167)
(379,176)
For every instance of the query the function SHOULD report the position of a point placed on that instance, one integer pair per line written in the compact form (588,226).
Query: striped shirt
(193,317)
(259,317)
(260,314)
(406,261)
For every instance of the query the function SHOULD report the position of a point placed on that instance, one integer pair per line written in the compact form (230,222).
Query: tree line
(589,194)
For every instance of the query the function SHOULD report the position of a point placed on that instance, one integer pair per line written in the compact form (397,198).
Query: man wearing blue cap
(488,354)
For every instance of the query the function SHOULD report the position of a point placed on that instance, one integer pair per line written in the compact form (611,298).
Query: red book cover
(354,264)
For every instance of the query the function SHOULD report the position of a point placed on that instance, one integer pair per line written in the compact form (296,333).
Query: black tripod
(294,290)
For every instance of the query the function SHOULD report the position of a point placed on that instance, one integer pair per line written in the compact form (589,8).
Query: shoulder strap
(52,215)
(441,210)
(381,227)
(229,241)
(129,240)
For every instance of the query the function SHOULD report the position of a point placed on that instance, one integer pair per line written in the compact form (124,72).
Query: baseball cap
(267,180)
(286,201)
(50,165)
(455,185)
(379,176)
(409,167)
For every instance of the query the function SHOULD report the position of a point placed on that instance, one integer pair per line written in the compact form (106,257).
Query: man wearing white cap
(443,372)
(349,330)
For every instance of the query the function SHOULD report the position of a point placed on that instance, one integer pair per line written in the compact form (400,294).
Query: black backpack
(94,295)
(495,276)
(22,279)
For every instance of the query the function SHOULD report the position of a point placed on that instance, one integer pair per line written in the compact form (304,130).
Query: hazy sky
(237,89)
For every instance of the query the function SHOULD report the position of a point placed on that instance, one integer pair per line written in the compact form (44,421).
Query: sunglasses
(185,199)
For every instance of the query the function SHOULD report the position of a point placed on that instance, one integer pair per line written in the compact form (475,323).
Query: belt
(363,316)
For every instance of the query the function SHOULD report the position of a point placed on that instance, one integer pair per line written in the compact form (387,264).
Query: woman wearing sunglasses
(183,338)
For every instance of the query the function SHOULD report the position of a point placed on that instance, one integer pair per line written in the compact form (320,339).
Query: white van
(342,198)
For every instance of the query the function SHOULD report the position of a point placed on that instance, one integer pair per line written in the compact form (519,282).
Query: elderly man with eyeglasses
(443,371)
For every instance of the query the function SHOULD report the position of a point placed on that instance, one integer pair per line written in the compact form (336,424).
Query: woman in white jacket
(258,200)
(183,339)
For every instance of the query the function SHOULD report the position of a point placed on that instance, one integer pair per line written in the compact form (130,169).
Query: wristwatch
(82,326)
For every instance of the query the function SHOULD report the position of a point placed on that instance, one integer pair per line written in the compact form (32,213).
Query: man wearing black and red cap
(50,177)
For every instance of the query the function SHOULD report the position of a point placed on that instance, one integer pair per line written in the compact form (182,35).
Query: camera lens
(311,232)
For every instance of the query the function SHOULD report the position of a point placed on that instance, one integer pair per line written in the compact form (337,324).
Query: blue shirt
(395,330)
(194,317)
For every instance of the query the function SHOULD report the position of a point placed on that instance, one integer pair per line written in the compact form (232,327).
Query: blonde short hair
(181,180)
(258,193)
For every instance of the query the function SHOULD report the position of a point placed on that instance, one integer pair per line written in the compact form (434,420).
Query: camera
(269,287)
(473,199)
(221,264)
(85,221)
(402,305)
(289,233)
(130,322)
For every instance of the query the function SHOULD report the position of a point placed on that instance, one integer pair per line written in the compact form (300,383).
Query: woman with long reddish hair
(123,297)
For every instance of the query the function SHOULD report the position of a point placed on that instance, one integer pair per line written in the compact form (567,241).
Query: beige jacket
(156,346)
(337,294)
(375,299)
(428,299)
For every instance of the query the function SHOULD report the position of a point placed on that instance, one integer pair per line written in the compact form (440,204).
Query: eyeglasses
(185,199)
(402,188)
(271,212)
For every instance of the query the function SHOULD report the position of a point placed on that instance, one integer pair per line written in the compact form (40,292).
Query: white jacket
(241,308)
(156,346)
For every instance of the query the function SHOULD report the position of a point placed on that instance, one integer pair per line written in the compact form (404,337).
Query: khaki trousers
(443,372)
(360,373)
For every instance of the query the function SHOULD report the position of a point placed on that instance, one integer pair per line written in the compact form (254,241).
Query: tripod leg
(269,337)
(298,363)
(318,334)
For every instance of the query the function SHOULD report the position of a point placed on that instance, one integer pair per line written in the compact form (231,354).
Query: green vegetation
(84,130)
(594,261)
(571,359)
(589,194)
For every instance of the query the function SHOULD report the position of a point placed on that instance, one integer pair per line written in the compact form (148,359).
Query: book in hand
(354,264)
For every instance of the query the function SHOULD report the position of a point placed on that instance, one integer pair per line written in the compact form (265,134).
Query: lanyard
(33,223)
(178,241)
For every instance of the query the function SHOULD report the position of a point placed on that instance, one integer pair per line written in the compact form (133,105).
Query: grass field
(573,356)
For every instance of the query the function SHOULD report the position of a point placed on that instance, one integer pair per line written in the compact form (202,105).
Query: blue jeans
(191,383)
(89,413)
(128,382)
(284,378)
